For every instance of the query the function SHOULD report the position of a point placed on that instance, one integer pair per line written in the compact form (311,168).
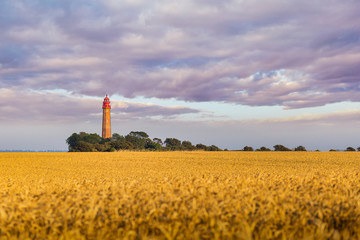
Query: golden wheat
(180,195)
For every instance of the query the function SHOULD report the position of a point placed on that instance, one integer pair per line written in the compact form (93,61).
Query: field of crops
(180,195)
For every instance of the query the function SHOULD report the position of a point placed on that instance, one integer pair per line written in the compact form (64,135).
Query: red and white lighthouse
(106,122)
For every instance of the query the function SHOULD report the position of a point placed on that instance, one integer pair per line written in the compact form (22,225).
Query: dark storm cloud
(289,53)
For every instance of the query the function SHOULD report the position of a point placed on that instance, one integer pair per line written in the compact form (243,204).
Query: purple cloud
(29,106)
(294,54)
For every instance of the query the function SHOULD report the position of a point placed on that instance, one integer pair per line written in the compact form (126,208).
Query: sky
(229,73)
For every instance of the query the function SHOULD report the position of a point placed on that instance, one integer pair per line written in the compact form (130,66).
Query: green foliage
(92,138)
(350,149)
(152,146)
(77,142)
(214,148)
(173,144)
(187,145)
(118,145)
(248,149)
(263,149)
(138,142)
(281,148)
(300,148)
(82,146)
(117,138)
(158,140)
(139,134)
(72,141)
(92,142)
(201,147)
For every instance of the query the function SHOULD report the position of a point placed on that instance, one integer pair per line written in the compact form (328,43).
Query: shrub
(248,149)
(350,149)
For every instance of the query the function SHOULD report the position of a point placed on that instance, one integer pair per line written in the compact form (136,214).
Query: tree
(117,137)
(300,148)
(158,140)
(173,143)
(248,149)
(139,134)
(350,149)
(92,138)
(118,145)
(72,141)
(82,146)
(263,149)
(214,148)
(105,140)
(281,148)
(201,147)
(151,145)
(99,147)
(358,149)
(137,139)
(187,145)
(126,145)
(76,138)
(108,146)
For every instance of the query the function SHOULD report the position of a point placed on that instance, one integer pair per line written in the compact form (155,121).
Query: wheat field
(180,195)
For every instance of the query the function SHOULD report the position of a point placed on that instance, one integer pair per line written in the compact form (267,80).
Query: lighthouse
(106,122)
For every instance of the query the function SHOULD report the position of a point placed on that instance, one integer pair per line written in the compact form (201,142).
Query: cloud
(56,107)
(295,54)
(351,116)
(142,110)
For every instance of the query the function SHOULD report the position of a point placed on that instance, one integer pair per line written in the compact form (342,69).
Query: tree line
(135,140)
(140,141)
(279,147)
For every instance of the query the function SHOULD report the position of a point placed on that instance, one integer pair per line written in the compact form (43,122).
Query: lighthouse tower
(106,122)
